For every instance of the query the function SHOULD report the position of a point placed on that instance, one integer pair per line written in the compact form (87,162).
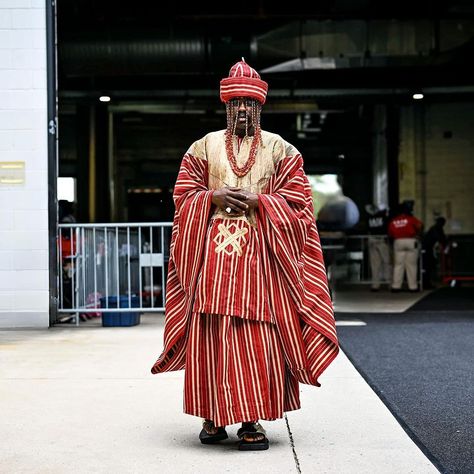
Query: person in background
(66,212)
(433,239)
(67,249)
(67,245)
(379,249)
(405,230)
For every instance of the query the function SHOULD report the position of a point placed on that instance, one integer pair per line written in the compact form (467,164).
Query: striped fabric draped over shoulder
(193,203)
(295,270)
(292,264)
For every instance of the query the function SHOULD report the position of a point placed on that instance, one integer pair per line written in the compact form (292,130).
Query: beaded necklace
(229,142)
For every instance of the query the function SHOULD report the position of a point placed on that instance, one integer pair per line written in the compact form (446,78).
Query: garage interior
(341,75)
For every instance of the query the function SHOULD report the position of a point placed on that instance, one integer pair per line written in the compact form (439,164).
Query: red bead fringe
(229,148)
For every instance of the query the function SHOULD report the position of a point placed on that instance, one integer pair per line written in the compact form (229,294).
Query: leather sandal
(252,429)
(207,438)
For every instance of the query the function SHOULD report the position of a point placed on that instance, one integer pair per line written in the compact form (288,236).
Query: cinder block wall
(436,163)
(24,291)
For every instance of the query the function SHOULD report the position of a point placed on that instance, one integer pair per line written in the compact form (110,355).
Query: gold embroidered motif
(225,238)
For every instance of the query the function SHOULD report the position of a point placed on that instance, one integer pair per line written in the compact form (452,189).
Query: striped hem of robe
(235,371)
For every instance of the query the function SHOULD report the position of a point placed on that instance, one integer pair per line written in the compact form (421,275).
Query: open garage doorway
(136,87)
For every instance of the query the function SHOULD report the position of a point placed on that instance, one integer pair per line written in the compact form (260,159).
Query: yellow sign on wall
(12,173)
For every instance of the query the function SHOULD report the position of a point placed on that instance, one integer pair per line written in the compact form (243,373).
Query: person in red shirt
(405,229)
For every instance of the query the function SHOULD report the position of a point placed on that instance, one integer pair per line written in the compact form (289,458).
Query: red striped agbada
(248,312)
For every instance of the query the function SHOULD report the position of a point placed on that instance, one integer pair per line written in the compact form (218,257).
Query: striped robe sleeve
(193,206)
(295,272)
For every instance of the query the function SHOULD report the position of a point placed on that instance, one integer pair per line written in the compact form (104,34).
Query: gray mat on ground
(447,299)
(420,365)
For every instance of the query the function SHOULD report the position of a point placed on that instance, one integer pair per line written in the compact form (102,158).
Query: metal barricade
(109,267)
(457,259)
(127,264)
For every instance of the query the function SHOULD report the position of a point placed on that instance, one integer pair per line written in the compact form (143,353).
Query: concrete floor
(359,299)
(83,400)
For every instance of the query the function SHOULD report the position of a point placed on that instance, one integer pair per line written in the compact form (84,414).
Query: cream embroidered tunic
(232,281)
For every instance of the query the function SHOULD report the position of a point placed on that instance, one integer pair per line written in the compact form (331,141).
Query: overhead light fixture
(104,98)
(418,96)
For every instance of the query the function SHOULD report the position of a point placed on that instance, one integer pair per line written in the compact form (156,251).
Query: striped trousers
(235,371)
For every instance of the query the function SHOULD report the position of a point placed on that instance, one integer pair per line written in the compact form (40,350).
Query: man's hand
(251,199)
(231,197)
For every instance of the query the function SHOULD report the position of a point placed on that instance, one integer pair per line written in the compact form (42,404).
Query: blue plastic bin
(121,318)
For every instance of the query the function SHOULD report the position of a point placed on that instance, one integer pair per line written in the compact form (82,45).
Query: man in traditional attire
(248,312)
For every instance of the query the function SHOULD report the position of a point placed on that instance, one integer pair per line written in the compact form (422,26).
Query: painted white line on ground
(357,322)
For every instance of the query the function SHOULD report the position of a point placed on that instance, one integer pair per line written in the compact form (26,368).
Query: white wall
(436,170)
(450,177)
(24,291)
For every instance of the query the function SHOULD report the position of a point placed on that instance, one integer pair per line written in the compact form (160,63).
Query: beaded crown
(243,81)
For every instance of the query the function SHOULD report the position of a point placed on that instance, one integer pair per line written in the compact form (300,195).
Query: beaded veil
(243,83)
